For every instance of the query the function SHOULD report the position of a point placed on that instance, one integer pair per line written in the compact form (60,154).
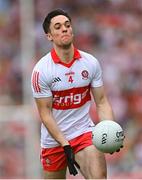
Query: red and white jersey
(69,85)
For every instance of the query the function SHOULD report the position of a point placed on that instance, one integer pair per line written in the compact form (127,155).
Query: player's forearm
(52,127)
(104,110)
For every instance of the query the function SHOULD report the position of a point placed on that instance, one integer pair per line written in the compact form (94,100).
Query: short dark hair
(47,20)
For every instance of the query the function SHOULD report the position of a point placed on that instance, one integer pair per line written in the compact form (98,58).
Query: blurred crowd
(111,31)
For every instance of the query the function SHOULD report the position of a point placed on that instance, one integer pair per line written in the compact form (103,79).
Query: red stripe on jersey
(71,98)
(35,82)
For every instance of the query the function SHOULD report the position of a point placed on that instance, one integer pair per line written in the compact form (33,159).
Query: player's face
(61,33)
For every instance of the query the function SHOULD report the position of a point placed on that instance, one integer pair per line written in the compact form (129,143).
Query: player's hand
(120,147)
(72,164)
(117,150)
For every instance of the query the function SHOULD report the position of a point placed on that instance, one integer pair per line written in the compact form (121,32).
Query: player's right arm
(44,106)
(45,110)
(40,84)
(40,81)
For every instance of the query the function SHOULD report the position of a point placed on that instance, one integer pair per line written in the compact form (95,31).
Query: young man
(62,83)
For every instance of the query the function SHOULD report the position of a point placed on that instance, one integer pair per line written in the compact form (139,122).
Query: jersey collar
(56,58)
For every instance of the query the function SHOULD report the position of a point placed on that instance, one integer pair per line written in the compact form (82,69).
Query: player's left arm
(103,107)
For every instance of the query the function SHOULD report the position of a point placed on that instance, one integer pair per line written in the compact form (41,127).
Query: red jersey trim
(35,82)
(56,58)
(71,98)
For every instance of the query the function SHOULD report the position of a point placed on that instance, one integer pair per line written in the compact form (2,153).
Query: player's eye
(57,26)
(67,24)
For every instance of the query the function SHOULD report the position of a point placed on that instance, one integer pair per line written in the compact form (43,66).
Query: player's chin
(66,44)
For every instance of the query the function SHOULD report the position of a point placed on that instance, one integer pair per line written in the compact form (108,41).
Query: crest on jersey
(84,74)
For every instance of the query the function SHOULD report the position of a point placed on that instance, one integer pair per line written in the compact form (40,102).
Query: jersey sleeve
(97,80)
(39,83)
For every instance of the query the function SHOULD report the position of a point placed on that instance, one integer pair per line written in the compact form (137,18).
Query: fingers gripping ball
(108,136)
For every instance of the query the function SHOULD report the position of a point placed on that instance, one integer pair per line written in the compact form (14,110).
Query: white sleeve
(97,80)
(39,83)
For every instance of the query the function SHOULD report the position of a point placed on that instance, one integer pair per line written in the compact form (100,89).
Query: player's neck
(65,54)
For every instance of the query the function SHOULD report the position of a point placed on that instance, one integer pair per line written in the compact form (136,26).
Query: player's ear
(49,36)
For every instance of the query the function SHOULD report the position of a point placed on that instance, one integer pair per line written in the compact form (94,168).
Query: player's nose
(64,28)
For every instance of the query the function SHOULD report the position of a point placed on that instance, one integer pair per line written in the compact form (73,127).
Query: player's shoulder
(43,62)
(88,57)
